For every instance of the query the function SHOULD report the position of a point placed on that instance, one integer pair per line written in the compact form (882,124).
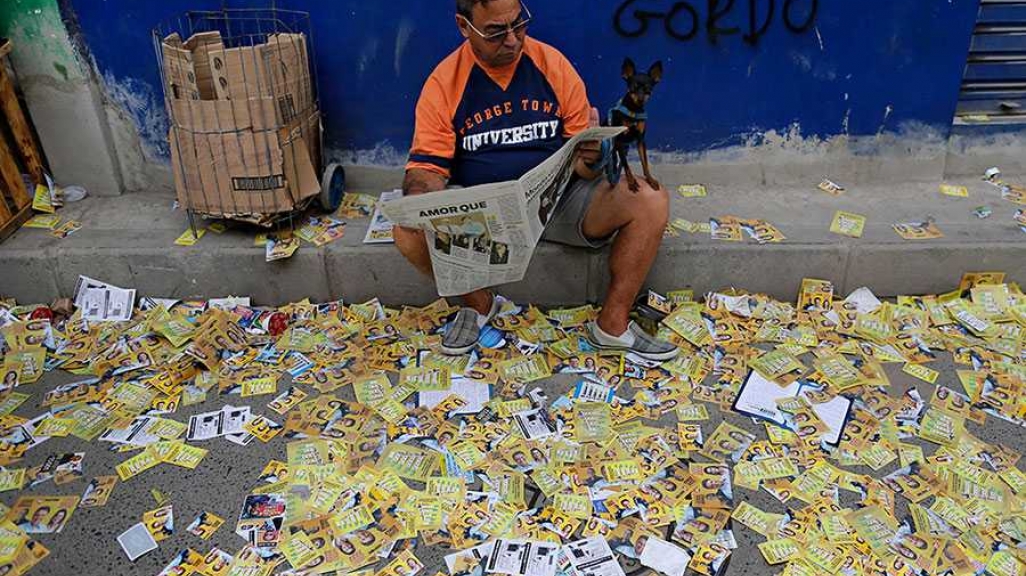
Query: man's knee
(652,204)
(410,241)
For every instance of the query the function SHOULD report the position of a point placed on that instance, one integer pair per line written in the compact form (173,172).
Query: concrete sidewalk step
(129,241)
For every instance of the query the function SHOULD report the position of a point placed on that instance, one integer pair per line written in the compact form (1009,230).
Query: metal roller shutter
(994,84)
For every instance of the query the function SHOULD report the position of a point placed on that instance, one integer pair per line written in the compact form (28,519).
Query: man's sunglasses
(496,34)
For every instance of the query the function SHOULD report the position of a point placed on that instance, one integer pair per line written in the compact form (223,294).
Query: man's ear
(656,72)
(461,23)
(628,68)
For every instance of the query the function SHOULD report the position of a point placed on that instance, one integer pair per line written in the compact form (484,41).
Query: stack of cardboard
(245,127)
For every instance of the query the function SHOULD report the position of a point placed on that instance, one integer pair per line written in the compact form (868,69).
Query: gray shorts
(568,218)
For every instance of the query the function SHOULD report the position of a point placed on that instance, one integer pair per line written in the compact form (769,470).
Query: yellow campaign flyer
(831,187)
(954,191)
(43,221)
(692,191)
(42,200)
(98,491)
(848,224)
(136,465)
(918,230)
(921,372)
(263,428)
(205,525)
(188,239)
(66,229)
(259,387)
(410,462)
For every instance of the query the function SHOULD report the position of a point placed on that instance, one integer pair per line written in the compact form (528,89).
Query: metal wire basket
(245,132)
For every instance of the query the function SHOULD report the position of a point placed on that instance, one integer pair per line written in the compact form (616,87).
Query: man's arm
(434,142)
(421,181)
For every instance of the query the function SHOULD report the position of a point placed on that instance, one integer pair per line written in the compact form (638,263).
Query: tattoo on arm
(422,181)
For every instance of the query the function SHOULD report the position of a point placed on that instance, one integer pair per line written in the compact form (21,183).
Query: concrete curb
(558,275)
(129,241)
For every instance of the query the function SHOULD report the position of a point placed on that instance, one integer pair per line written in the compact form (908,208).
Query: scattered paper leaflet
(837,430)
(380,229)
(102,302)
(485,235)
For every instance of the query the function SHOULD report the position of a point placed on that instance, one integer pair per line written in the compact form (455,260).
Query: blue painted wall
(861,67)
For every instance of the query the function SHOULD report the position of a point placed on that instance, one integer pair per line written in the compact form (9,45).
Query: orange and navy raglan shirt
(476,125)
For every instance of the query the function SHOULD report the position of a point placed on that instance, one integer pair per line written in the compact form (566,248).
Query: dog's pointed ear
(656,72)
(628,68)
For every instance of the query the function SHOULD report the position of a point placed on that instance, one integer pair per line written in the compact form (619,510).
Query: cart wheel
(333,186)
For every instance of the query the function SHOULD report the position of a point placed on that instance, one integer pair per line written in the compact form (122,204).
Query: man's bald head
(466,7)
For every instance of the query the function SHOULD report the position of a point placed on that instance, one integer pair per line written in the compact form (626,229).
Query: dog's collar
(639,116)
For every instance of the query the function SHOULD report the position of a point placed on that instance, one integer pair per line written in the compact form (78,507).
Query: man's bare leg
(640,218)
(413,245)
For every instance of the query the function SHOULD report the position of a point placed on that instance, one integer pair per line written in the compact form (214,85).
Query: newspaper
(485,235)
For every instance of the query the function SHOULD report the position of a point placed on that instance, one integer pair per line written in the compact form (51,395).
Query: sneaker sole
(457,351)
(660,357)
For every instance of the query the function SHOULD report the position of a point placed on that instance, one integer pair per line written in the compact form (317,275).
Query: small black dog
(630,112)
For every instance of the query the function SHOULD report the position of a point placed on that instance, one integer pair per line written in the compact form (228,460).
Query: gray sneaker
(644,345)
(463,332)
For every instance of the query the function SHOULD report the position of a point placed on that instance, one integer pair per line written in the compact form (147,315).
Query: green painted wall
(41,43)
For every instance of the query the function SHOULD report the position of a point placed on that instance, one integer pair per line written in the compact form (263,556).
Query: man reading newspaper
(504,107)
